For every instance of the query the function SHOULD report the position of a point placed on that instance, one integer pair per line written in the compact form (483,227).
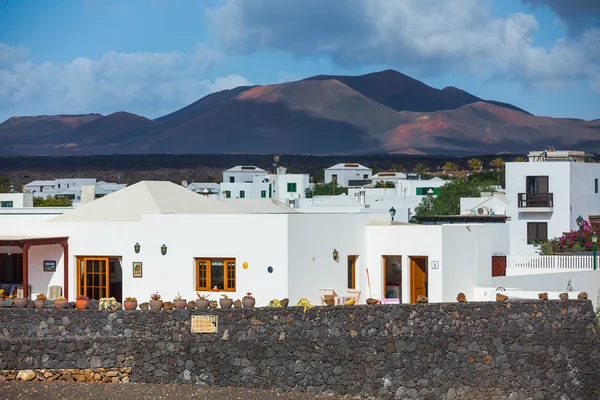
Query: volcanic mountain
(384,112)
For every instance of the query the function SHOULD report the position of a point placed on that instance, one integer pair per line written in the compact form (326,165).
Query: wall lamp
(163,249)
(336,255)
(393,212)
(136,247)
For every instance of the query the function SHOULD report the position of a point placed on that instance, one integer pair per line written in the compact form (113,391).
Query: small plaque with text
(205,323)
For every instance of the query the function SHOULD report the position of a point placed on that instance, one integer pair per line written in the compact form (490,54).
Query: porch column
(26,247)
(66,270)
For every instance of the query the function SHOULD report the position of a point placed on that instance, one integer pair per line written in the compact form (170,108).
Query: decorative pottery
(156,304)
(248,302)
(180,303)
(81,304)
(61,304)
(202,303)
(20,303)
(130,305)
(40,303)
(226,303)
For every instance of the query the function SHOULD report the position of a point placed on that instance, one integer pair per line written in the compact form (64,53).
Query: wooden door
(93,277)
(418,278)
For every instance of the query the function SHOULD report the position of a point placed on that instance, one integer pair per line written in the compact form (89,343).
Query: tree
(589,158)
(448,201)
(420,168)
(374,168)
(497,163)
(398,168)
(325,189)
(387,185)
(520,159)
(4,184)
(475,164)
(450,166)
(52,201)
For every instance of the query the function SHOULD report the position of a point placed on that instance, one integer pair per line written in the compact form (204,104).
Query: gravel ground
(134,391)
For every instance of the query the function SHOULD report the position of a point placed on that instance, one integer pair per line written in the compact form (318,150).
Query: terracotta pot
(226,303)
(130,305)
(60,304)
(156,304)
(248,302)
(180,303)
(81,304)
(20,303)
(213,304)
(202,303)
(40,303)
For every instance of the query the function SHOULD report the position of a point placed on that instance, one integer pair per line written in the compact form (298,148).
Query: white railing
(538,264)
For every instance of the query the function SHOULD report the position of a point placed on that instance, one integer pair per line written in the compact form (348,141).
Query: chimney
(281,170)
(88,194)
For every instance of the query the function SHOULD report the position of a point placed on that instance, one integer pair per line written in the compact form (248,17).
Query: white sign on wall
(435,265)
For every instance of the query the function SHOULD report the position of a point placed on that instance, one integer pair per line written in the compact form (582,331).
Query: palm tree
(497,163)
(520,159)
(475,164)
(420,168)
(398,168)
(449,166)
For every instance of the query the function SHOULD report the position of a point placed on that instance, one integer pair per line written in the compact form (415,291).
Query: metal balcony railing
(529,200)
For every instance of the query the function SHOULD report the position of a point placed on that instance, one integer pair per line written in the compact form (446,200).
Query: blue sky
(153,57)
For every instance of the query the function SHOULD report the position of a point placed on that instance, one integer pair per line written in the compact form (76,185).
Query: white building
(204,188)
(488,204)
(344,173)
(71,188)
(243,174)
(290,188)
(546,195)
(16,200)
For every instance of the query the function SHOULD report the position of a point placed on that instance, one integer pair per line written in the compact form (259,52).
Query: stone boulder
(192,304)
(237,303)
(582,296)
(543,296)
(461,298)
(167,305)
(372,301)
(284,302)
(144,306)
(563,296)
(501,297)
(93,304)
(26,375)
(422,299)
(330,301)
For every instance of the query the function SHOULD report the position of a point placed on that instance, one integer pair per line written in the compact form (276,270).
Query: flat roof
(461,219)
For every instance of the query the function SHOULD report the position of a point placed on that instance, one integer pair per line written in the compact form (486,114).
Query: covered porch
(9,246)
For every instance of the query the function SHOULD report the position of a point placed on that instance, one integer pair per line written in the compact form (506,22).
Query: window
(263,194)
(536,231)
(596,185)
(232,179)
(334,178)
(365,176)
(291,187)
(227,194)
(352,272)
(537,184)
(6,204)
(423,191)
(242,194)
(219,272)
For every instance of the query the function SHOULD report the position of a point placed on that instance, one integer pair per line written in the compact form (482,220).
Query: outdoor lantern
(163,249)
(579,221)
(594,238)
(392,212)
(336,255)
(136,247)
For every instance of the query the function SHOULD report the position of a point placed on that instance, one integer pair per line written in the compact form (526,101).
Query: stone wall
(514,350)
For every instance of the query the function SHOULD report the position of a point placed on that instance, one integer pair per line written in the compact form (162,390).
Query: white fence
(538,264)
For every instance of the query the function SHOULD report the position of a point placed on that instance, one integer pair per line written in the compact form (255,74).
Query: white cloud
(150,84)
(433,37)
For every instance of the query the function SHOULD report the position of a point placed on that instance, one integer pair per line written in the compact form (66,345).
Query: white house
(488,204)
(71,188)
(290,188)
(243,174)
(547,194)
(16,200)
(344,173)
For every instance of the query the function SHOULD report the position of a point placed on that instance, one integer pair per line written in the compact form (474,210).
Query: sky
(152,57)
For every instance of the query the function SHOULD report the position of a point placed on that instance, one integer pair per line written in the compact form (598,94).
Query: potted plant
(20,303)
(61,303)
(225,301)
(202,301)
(248,301)
(178,302)
(155,302)
(40,300)
(81,302)
(130,303)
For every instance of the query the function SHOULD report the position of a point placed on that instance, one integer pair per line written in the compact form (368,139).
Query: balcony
(535,201)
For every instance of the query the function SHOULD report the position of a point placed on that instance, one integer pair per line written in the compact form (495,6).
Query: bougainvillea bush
(569,241)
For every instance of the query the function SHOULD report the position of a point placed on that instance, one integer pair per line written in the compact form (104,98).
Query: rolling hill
(383,112)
